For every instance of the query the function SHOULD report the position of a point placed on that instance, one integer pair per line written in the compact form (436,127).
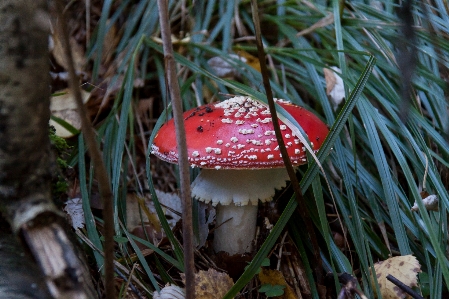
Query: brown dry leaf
(58,51)
(275,277)
(404,268)
(111,40)
(331,80)
(134,203)
(211,284)
(63,106)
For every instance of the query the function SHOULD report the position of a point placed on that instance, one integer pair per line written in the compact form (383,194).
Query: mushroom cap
(238,134)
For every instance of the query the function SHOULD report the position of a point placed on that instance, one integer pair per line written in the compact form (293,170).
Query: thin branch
(184,173)
(285,157)
(94,151)
(404,287)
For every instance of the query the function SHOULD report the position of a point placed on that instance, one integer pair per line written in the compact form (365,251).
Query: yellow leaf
(275,277)
(404,268)
(249,59)
(211,284)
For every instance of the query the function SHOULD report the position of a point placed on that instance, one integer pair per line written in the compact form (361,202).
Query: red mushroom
(235,145)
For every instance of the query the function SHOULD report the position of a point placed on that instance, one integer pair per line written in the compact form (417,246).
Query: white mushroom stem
(237,193)
(235,228)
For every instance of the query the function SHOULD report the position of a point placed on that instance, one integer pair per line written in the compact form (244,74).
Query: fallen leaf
(211,284)
(74,208)
(335,88)
(63,106)
(430,202)
(404,268)
(275,278)
(58,50)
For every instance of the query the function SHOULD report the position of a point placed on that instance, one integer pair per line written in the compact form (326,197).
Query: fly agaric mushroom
(235,145)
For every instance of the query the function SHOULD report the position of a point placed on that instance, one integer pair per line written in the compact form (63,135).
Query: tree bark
(25,176)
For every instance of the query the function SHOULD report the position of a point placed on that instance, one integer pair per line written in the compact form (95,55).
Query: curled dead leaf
(335,88)
(430,202)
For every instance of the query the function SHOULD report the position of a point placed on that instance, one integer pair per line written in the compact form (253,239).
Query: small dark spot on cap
(201,114)
(401,263)
(199,129)
(378,275)
(209,109)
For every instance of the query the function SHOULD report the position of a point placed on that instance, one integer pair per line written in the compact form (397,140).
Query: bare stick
(94,151)
(404,287)
(170,67)
(288,165)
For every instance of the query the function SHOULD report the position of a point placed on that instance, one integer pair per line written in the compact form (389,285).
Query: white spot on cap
(296,141)
(246,131)
(289,143)
(208,149)
(240,146)
(297,151)
(264,121)
(217,167)
(283,127)
(217,151)
(227,121)
(195,154)
(228,144)
(267,111)
(239,122)
(287,135)
(219,141)
(203,163)
(267,141)
(270,156)
(234,139)
(254,125)
(252,157)
(268,133)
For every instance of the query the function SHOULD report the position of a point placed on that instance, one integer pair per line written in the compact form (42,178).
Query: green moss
(60,149)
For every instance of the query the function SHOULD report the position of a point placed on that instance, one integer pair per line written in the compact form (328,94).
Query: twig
(404,287)
(349,287)
(285,157)
(184,173)
(94,151)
